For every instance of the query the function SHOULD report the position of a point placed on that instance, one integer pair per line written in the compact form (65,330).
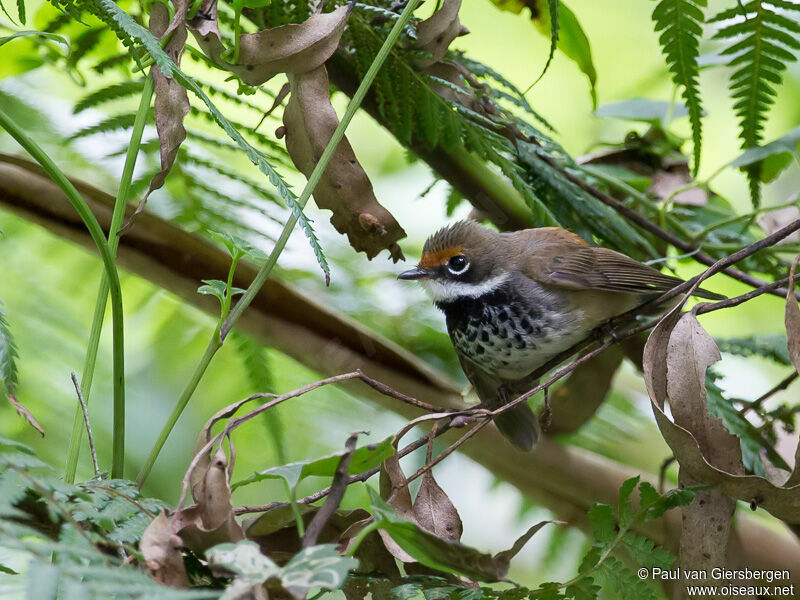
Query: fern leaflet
(763,41)
(680,22)
(8,355)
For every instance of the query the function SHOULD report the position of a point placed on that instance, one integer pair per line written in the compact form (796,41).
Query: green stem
(102,292)
(704,232)
(360,537)
(633,193)
(88,218)
(266,268)
(211,350)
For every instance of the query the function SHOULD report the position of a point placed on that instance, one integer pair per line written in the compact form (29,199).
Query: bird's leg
(607,329)
(547,413)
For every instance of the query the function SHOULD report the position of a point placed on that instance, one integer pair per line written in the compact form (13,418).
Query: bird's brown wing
(518,424)
(566,263)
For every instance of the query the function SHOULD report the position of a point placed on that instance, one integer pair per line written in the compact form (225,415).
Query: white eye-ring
(458,264)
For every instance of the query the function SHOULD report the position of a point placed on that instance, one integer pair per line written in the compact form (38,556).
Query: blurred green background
(48,286)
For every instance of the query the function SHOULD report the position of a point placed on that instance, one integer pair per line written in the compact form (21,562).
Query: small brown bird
(512,301)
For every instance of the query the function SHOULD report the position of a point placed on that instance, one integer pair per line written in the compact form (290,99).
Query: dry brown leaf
(773,220)
(179,18)
(293,48)
(211,521)
(434,511)
(436,33)
(171,102)
(344,189)
(794,478)
(690,351)
(782,502)
(792,319)
(394,489)
(25,413)
(666,182)
(775,475)
(161,549)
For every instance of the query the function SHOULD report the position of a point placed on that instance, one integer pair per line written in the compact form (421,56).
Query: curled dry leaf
(782,502)
(434,512)
(25,413)
(792,319)
(345,189)
(161,549)
(436,33)
(690,352)
(394,489)
(293,48)
(211,521)
(171,102)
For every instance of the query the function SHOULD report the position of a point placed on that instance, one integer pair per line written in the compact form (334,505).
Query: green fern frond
(680,22)
(109,93)
(259,372)
(552,6)
(113,123)
(763,41)
(116,60)
(772,347)
(84,43)
(8,355)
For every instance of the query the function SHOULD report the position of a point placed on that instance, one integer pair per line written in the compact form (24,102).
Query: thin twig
(238,421)
(782,385)
(338,488)
(85,411)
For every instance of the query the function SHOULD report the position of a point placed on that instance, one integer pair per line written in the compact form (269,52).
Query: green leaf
(622,583)
(218,289)
(645,552)
(316,567)
(244,559)
(238,247)
(642,109)
(680,22)
(626,512)
(571,39)
(59,39)
(750,437)
(772,158)
(364,458)
(653,505)
(762,41)
(601,518)
(8,355)
(432,551)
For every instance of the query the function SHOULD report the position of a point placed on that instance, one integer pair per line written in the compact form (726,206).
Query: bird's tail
(520,426)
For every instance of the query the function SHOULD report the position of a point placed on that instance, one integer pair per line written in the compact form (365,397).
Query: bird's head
(458,261)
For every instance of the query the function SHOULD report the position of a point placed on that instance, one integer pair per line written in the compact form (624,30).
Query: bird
(514,300)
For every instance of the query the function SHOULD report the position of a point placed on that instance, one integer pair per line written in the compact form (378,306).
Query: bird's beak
(415,273)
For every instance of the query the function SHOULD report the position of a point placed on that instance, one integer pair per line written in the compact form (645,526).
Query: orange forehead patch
(440,257)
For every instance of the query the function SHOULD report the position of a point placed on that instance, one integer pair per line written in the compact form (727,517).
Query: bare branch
(85,411)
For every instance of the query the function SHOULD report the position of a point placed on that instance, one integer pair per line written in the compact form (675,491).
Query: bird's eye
(457,264)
